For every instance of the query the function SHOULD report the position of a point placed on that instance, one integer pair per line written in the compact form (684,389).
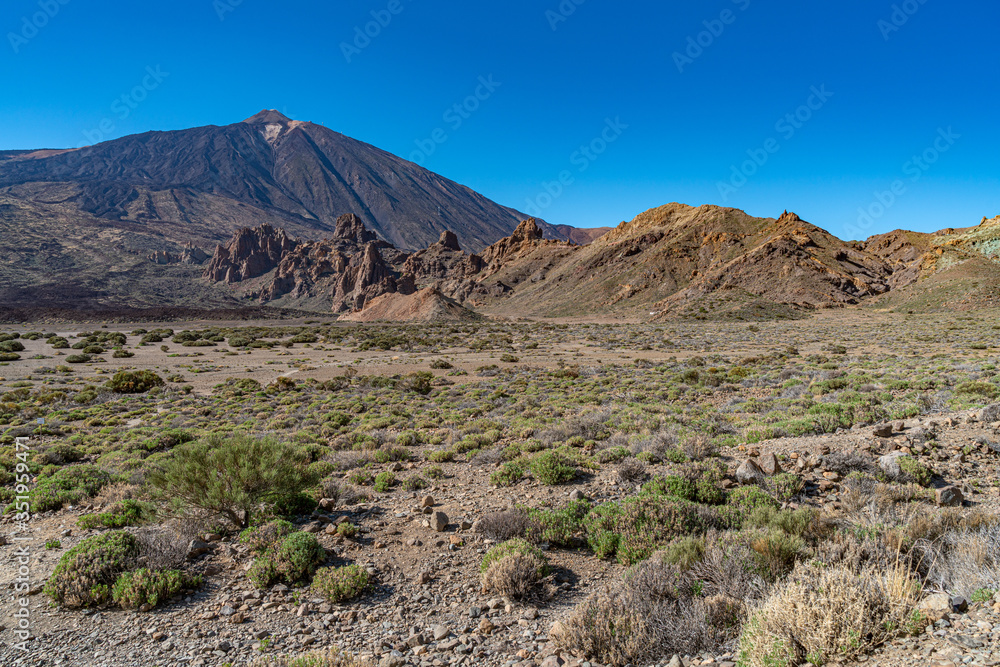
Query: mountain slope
(297,175)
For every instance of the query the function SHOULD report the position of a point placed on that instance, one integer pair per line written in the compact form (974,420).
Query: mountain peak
(268,116)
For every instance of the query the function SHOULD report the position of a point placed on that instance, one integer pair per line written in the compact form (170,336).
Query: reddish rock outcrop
(250,253)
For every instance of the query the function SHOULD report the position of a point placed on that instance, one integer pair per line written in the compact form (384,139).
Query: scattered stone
(439,632)
(949,496)
(749,472)
(936,606)
(197,548)
(890,464)
(768,463)
(577,494)
(882,431)
(428,501)
(439,521)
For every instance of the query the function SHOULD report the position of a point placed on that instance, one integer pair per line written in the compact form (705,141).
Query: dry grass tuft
(514,576)
(823,613)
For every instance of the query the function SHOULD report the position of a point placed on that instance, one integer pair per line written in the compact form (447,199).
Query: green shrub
(292,505)
(347,529)
(708,487)
(337,584)
(440,456)
(984,389)
(684,552)
(634,528)
(264,537)
(415,483)
(58,454)
(673,486)
(78,358)
(434,472)
(134,382)
(384,481)
(231,477)
(84,575)
(786,486)
(508,474)
(915,470)
(513,546)
(10,356)
(552,468)
(11,346)
(67,486)
(128,512)
(558,527)
(292,560)
(143,586)
(745,500)
(297,557)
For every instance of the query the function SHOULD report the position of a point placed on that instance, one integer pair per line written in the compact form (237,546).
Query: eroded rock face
(350,228)
(249,254)
(527,235)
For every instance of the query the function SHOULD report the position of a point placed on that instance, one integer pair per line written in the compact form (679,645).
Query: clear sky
(817,107)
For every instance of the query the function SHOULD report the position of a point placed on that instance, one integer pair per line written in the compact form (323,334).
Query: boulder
(768,464)
(439,521)
(883,431)
(890,464)
(935,606)
(949,496)
(749,472)
(197,548)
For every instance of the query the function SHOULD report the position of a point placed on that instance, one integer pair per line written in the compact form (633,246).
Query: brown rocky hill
(212,180)
(674,260)
(426,305)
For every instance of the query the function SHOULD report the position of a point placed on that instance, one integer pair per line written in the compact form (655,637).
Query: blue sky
(591,112)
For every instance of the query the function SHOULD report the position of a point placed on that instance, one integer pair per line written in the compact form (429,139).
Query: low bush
(552,468)
(143,586)
(264,537)
(231,477)
(68,485)
(134,382)
(513,568)
(128,512)
(291,561)
(504,525)
(654,612)
(633,529)
(337,584)
(819,614)
(915,471)
(508,474)
(558,527)
(85,574)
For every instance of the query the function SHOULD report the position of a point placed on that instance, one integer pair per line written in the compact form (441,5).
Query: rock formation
(250,253)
